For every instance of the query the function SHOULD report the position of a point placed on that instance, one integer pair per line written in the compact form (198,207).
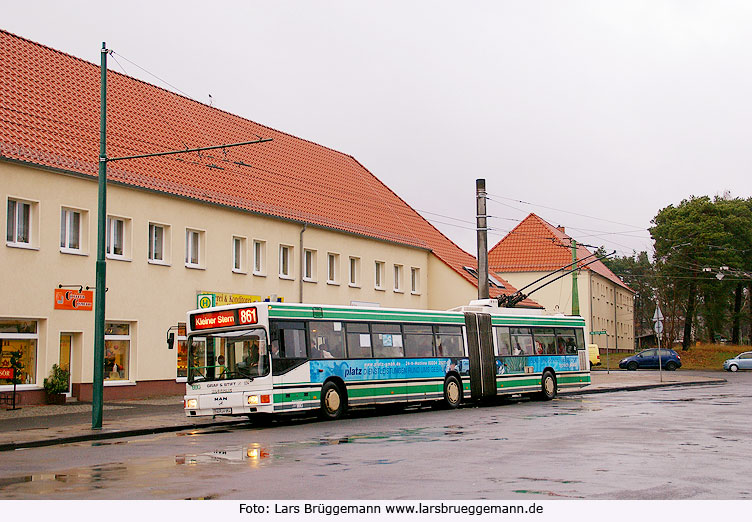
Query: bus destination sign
(214,320)
(208,320)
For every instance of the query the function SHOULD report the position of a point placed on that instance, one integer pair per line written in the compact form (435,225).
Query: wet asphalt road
(670,443)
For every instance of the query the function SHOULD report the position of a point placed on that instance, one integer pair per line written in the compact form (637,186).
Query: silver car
(743,361)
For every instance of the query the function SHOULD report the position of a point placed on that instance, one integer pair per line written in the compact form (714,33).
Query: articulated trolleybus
(262,358)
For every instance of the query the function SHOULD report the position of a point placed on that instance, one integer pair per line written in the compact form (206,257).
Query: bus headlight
(259,399)
(191,404)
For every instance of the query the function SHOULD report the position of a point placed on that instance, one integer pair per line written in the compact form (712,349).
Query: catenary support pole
(101,278)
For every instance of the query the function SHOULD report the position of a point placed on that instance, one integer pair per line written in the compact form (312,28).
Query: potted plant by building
(56,385)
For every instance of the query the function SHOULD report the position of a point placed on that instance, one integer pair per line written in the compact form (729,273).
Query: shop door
(66,343)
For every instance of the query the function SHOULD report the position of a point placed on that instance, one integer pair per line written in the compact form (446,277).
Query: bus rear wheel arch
(452,392)
(549,386)
(333,400)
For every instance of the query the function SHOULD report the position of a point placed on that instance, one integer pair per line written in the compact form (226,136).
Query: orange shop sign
(73,299)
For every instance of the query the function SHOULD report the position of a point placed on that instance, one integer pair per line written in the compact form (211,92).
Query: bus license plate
(220,411)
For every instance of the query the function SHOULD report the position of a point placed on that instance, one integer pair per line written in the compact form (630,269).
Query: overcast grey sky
(608,109)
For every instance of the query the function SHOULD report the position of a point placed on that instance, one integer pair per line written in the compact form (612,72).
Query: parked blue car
(743,361)
(670,360)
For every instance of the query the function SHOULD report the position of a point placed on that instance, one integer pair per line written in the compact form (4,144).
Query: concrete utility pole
(575,288)
(482,227)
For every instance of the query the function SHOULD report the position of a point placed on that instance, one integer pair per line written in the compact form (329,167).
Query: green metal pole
(575,291)
(99,301)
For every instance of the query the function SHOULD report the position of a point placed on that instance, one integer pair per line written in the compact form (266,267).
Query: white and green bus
(262,358)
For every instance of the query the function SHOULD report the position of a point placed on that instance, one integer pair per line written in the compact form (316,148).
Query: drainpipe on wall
(590,281)
(302,263)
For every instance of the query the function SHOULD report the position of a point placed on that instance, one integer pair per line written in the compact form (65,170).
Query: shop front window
(19,337)
(117,347)
(182,357)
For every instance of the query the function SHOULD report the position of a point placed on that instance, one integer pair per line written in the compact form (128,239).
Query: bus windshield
(229,355)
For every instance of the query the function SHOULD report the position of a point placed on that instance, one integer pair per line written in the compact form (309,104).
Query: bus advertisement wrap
(376,370)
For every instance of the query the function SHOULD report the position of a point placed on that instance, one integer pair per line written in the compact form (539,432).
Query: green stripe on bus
(354,315)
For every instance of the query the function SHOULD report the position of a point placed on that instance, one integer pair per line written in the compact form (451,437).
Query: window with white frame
(19,336)
(259,257)
(285,261)
(71,223)
(332,268)
(309,265)
(117,229)
(194,248)
(398,278)
(379,275)
(415,280)
(19,222)
(354,271)
(159,240)
(117,347)
(239,255)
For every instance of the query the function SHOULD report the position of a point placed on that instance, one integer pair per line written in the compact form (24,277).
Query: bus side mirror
(170,340)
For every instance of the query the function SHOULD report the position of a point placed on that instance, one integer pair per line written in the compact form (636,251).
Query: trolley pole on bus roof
(97,391)
(482,227)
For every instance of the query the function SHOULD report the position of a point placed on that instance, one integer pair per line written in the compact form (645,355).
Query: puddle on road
(109,478)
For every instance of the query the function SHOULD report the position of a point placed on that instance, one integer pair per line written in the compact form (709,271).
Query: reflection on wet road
(666,443)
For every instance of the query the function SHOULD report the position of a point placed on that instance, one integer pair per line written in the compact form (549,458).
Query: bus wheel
(548,386)
(452,392)
(333,401)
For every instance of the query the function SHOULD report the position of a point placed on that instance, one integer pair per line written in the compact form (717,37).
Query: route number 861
(248,316)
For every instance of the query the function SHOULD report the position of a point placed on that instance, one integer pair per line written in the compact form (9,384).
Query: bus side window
(326,340)
(449,341)
(502,340)
(521,340)
(290,339)
(418,340)
(387,340)
(358,341)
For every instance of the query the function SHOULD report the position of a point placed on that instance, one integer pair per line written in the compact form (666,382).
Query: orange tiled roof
(535,245)
(49,116)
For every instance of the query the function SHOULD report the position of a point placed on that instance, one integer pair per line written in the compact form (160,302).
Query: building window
(415,280)
(19,336)
(285,261)
(19,223)
(354,271)
(309,265)
(332,268)
(379,275)
(182,343)
(398,278)
(117,228)
(194,255)
(117,349)
(239,255)
(70,230)
(259,257)
(159,237)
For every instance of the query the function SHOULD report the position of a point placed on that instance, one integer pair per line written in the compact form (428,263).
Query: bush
(57,382)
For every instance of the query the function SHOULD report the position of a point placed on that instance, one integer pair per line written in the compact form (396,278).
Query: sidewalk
(34,426)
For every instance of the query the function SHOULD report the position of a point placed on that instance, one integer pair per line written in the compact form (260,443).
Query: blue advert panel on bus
(388,369)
